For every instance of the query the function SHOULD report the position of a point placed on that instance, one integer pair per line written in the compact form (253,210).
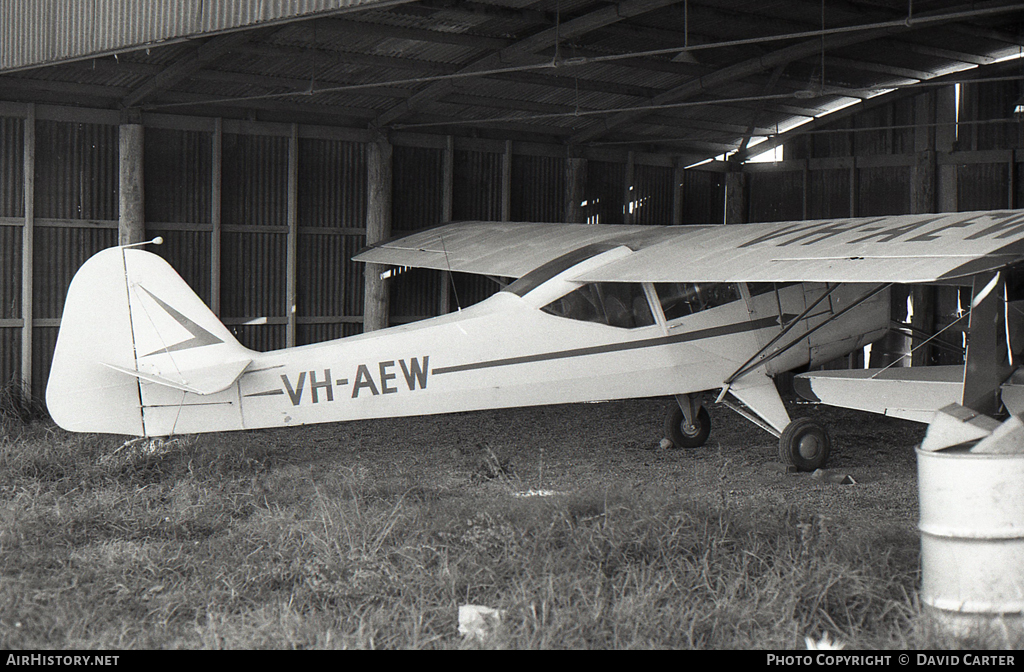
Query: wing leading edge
(904,248)
(510,249)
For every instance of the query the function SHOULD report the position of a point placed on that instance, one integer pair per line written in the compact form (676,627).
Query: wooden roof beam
(476,9)
(726,75)
(308,105)
(334,57)
(438,125)
(565,82)
(882,68)
(945,54)
(531,45)
(338,26)
(183,68)
(299,86)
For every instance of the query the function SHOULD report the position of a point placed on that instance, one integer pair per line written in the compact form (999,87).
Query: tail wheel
(684,435)
(805,444)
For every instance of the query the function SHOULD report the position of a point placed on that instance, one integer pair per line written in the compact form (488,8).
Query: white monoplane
(598,312)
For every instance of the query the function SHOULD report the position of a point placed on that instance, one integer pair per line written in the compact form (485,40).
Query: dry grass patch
(370,535)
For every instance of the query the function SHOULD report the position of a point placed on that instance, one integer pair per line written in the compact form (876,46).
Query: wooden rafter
(527,47)
(206,53)
(349,27)
(329,57)
(729,74)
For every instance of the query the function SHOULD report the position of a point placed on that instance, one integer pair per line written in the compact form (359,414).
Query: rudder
(130,321)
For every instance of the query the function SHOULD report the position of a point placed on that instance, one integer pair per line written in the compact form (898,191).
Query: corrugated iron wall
(255,240)
(76,187)
(12,141)
(987,116)
(34,32)
(476,195)
(76,209)
(776,196)
(476,188)
(887,129)
(828,193)
(10,309)
(538,189)
(605,192)
(883,190)
(76,170)
(983,186)
(12,208)
(417,203)
(332,214)
(653,194)
(703,197)
(178,187)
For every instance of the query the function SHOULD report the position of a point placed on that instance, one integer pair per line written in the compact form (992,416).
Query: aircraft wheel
(688,436)
(805,444)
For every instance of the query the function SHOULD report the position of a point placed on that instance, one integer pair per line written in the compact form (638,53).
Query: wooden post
(216,182)
(735,198)
(131,224)
(922,200)
(678,179)
(378,229)
(1011,184)
(805,207)
(947,299)
(506,182)
(854,186)
(291,282)
(447,195)
(945,142)
(628,192)
(575,187)
(27,239)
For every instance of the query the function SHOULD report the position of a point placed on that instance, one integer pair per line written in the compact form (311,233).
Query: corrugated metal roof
(39,32)
(600,65)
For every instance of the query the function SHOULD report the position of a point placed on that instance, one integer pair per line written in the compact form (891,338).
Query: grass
(249,541)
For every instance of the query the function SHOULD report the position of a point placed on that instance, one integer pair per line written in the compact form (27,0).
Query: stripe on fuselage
(697,335)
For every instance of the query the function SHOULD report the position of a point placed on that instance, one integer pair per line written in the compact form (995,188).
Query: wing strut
(987,364)
(750,364)
(785,330)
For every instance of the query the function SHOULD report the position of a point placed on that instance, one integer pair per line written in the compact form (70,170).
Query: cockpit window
(617,304)
(679,299)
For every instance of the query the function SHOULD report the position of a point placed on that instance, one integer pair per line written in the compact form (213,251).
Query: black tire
(687,437)
(805,444)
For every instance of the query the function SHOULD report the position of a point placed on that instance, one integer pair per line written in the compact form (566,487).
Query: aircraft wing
(905,248)
(509,249)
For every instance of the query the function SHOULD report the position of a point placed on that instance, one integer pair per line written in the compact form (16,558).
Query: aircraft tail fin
(130,321)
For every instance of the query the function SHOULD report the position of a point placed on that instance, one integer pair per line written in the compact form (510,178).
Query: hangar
(267,142)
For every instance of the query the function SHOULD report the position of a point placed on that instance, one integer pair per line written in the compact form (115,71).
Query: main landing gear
(688,433)
(803,442)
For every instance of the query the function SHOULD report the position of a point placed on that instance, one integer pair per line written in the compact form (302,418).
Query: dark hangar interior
(268,142)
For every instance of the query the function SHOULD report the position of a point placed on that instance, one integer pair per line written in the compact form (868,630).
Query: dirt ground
(614,446)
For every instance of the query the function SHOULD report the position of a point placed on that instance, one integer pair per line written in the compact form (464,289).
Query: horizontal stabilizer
(205,380)
(912,393)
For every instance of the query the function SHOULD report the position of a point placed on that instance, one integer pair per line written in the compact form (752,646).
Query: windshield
(542,274)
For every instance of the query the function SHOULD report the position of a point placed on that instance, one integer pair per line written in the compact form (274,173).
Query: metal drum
(972,539)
